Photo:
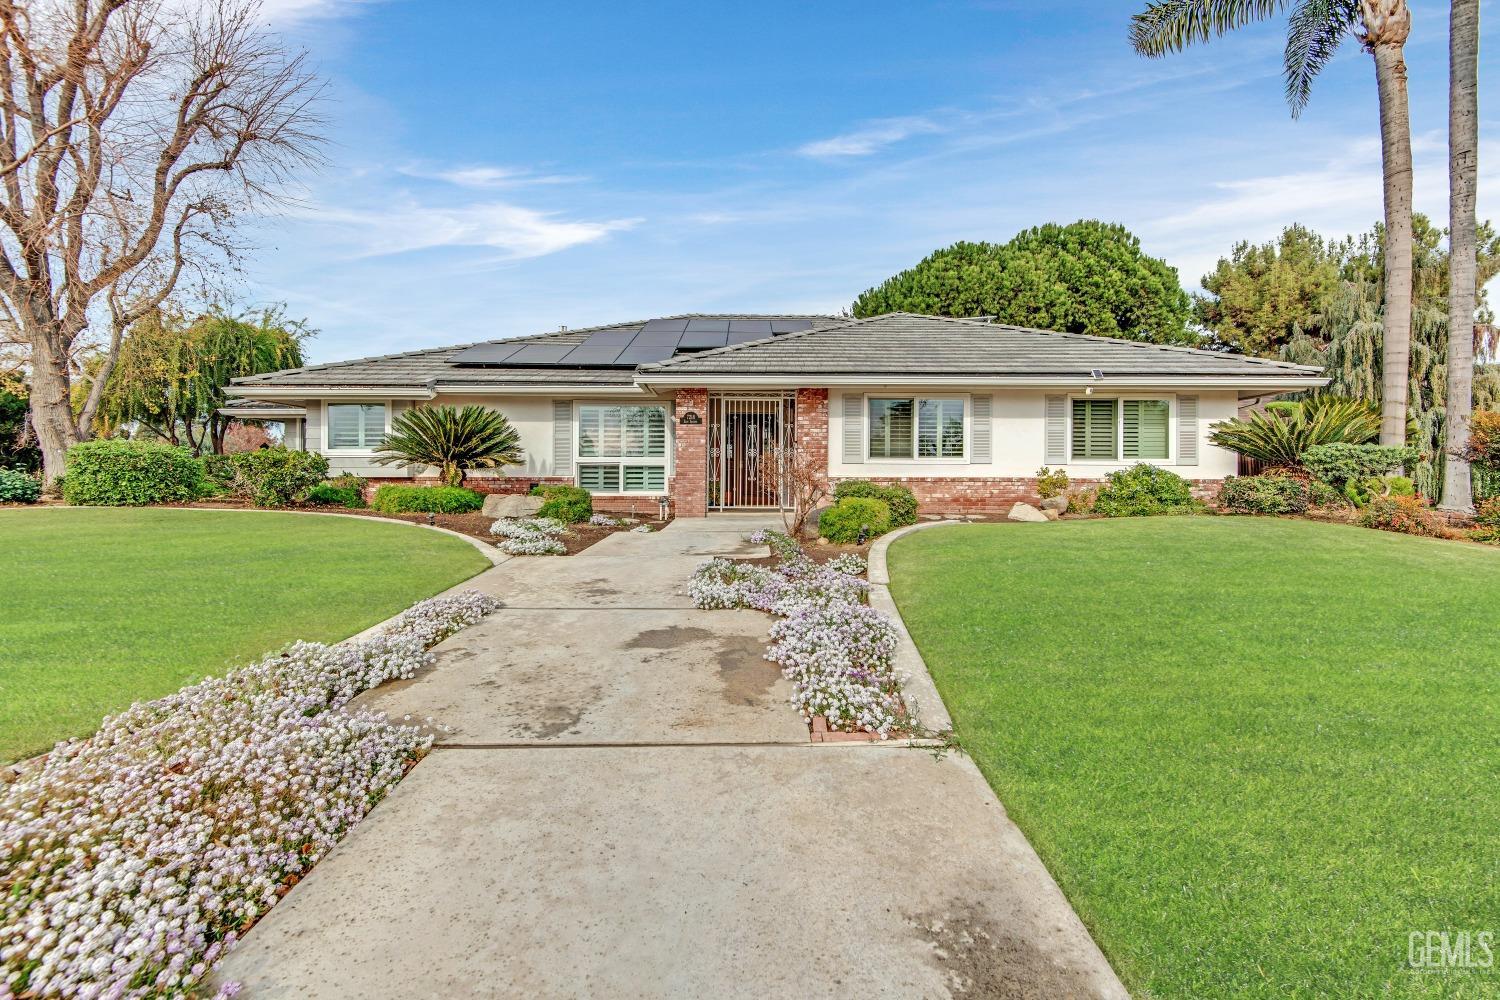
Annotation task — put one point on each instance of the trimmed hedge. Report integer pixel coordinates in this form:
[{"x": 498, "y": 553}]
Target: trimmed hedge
[
  {"x": 18, "y": 487},
  {"x": 1143, "y": 490},
  {"x": 329, "y": 495},
  {"x": 568, "y": 504},
  {"x": 118, "y": 473},
  {"x": 396, "y": 499},
  {"x": 1264, "y": 495},
  {"x": 843, "y": 521},
  {"x": 276, "y": 477},
  {"x": 1342, "y": 463},
  {"x": 901, "y": 501}
]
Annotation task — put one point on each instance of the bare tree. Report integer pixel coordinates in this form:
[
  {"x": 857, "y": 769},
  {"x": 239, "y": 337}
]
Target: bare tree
[
  {"x": 799, "y": 479},
  {"x": 1463, "y": 177},
  {"x": 132, "y": 134}
]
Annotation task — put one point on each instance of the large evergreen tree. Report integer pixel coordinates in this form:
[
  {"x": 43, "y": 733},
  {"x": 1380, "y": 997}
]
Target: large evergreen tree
[{"x": 1086, "y": 277}]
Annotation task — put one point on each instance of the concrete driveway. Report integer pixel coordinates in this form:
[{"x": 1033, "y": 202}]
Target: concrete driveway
[{"x": 623, "y": 804}]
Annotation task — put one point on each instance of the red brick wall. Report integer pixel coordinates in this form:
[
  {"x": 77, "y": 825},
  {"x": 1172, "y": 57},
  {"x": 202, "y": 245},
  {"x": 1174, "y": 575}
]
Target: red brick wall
[
  {"x": 990, "y": 496},
  {"x": 689, "y": 486},
  {"x": 810, "y": 431}
]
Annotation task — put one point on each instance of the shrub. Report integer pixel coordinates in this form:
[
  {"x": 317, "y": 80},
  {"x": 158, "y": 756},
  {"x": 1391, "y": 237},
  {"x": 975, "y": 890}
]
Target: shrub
[
  {"x": 901, "y": 501},
  {"x": 136, "y": 857},
  {"x": 1082, "y": 501},
  {"x": 218, "y": 475},
  {"x": 18, "y": 487},
  {"x": 845, "y": 520},
  {"x": 1050, "y": 483},
  {"x": 276, "y": 477},
  {"x": 329, "y": 495},
  {"x": 394, "y": 498},
  {"x": 1143, "y": 490},
  {"x": 1320, "y": 494},
  {"x": 1264, "y": 495},
  {"x": 1488, "y": 514},
  {"x": 1341, "y": 462},
  {"x": 1484, "y": 439},
  {"x": 118, "y": 473},
  {"x": 1280, "y": 435},
  {"x": 451, "y": 439},
  {"x": 1408, "y": 515},
  {"x": 568, "y": 504}
]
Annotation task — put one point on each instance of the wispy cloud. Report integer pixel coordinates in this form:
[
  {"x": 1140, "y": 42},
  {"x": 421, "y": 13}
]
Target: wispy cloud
[
  {"x": 287, "y": 12},
  {"x": 484, "y": 176},
  {"x": 514, "y": 230},
  {"x": 870, "y": 138}
]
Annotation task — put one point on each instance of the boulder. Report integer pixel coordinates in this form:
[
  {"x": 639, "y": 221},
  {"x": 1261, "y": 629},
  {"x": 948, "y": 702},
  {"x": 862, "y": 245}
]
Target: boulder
[
  {"x": 1059, "y": 504},
  {"x": 1026, "y": 512},
  {"x": 1051, "y": 514},
  {"x": 511, "y": 505}
]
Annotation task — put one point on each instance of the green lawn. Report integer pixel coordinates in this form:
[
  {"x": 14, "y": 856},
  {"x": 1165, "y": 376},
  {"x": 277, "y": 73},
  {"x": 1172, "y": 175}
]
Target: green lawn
[
  {"x": 104, "y": 607},
  {"x": 1256, "y": 753}
]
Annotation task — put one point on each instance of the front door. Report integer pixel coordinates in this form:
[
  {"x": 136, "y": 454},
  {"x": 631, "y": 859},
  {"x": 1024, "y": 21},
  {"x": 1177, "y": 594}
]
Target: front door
[{"x": 748, "y": 439}]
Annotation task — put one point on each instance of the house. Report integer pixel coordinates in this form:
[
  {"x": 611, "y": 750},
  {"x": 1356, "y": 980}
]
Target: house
[{"x": 964, "y": 412}]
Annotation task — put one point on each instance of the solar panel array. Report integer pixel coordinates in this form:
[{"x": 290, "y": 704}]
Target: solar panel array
[{"x": 626, "y": 347}]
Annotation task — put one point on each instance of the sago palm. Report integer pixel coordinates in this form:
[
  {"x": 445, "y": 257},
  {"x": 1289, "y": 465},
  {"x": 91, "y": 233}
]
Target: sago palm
[
  {"x": 452, "y": 440},
  {"x": 1279, "y": 436},
  {"x": 1314, "y": 31}
]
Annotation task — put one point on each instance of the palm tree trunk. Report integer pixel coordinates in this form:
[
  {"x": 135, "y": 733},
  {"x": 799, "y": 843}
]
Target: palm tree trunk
[
  {"x": 1387, "y": 24},
  {"x": 1463, "y": 176}
]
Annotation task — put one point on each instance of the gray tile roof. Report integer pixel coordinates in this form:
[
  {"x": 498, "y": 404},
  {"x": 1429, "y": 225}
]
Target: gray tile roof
[
  {"x": 903, "y": 344},
  {"x": 434, "y": 366}
]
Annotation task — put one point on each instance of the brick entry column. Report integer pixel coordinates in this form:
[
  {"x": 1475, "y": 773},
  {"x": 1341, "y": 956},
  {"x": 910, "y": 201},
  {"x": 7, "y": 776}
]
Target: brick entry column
[
  {"x": 690, "y": 455},
  {"x": 810, "y": 432}
]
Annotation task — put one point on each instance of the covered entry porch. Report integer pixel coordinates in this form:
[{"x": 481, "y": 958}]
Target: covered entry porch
[{"x": 729, "y": 443}]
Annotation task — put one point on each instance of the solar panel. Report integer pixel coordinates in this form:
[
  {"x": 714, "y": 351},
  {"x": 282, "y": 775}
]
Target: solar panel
[
  {"x": 618, "y": 338},
  {"x": 588, "y": 357},
  {"x": 696, "y": 341},
  {"x": 645, "y": 354},
  {"x": 741, "y": 337},
  {"x": 666, "y": 326},
  {"x": 540, "y": 354},
  {"x": 761, "y": 327},
  {"x": 708, "y": 326},
  {"x": 485, "y": 354},
  {"x": 779, "y": 326},
  {"x": 657, "y": 337}
]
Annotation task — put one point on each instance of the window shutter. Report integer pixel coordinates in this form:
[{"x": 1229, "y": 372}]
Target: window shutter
[
  {"x": 1187, "y": 430},
  {"x": 1057, "y": 430},
  {"x": 374, "y": 415},
  {"x": 562, "y": 437},
  {"x": 854, "y": 428},
  {"x": 979, "y": 434}
]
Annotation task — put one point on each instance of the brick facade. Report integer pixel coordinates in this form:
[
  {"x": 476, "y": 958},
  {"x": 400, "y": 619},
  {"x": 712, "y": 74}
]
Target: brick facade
[
  {"x": 689, "y": 486},
  {"x": 994, "y": 496},
  {"x": 810, "y": 427}
]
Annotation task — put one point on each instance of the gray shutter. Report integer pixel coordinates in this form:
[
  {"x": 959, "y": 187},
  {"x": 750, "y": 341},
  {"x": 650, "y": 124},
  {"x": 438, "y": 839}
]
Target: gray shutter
[
  {"x": 854, "y": 427},
  {"x": 1187, "y": 430},
  {"x": 562, "y": 437},
  {"x": 979, "y": 435},
  {"x": 1057, "y": 431}
]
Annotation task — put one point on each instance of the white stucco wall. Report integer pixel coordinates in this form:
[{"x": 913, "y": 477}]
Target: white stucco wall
[{"x": 1018, "y": 428}]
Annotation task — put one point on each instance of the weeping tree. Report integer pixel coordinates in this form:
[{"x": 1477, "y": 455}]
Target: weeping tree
[
  {"x": 172, "y": 373},
  {"x": 452, "y": 440}
]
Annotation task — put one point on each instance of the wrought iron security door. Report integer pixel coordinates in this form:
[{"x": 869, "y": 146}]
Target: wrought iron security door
[{"x": 749, "y": 440}]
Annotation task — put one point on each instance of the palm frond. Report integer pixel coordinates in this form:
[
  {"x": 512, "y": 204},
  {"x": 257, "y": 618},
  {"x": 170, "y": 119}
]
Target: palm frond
[
  {"x": 1279, "y": 436},
  {"x": 1313, "y": 35},
  {"x": 1172, "y": 25},
  {"x": 452, "y": 440}
]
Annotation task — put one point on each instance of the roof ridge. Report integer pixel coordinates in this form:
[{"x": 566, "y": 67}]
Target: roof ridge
[{"x": 1150, "y": 344}]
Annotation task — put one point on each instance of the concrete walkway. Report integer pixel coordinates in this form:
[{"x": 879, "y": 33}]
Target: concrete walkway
[{"x": 623, "y": 804}]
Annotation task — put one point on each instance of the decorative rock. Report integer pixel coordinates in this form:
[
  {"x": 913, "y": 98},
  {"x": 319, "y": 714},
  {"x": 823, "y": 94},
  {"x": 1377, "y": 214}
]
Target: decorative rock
[
  {"x": 822, "y": 541},
  {"x": 1059, "y": 504},
  {"x": 1026, "y": 512},
  {"x": 1051, "y": 514},
  {"x": 511, "y": 505}
]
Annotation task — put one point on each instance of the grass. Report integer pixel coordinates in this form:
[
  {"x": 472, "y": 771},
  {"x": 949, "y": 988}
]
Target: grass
[
  {"x": 105, "y": 607},
  {"x": 1256, "y": 754}
]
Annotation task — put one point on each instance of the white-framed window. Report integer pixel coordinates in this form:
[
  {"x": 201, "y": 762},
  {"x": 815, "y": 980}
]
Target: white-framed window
[
  {"x": 354, "y": 426},
  {"x": 917, "y": 428},
  {"x": 1114, "y": 429},
  {"x": 622, "y": 447}
]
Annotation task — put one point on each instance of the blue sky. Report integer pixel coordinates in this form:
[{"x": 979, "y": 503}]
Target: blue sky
[{"x": 498, "y": 169}]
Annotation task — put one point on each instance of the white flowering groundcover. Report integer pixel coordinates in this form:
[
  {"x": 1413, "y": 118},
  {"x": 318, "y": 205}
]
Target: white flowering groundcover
[
  {"x": 835, "y": 649},
  {"x": 132, "y": 860},
  {"x": 530, "y": 536}
]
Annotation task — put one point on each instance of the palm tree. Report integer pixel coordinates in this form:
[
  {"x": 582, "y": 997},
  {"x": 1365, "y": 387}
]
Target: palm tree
[
  {"x": 1314, "y": 31},
  {"x": 454, "y": 440},
  {"x": 1463, "y": 175}
]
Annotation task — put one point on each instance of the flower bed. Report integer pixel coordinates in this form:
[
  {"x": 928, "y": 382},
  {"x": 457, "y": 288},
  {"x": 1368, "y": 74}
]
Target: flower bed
[
  {"x": 835, "y": 649},
  {"x": 134, "y": 859},
  {"x": 531, "y": 536}
]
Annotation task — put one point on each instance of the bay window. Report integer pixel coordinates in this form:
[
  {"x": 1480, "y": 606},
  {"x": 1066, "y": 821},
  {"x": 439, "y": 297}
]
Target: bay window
[{"x": 622, "y": 448}]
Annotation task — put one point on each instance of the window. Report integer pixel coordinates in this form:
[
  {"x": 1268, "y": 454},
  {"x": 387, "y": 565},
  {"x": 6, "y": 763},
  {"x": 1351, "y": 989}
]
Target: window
[
  {"x": 917, "y": 428},
  {"x": 622, "y": 448},
  {"x": 355, "y": 426},
  {"x": 1106, "y": 430}
]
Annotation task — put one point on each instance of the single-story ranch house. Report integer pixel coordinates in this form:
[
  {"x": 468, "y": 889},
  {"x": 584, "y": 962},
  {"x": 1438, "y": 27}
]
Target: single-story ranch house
[{"x": 680, "y": 410}]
